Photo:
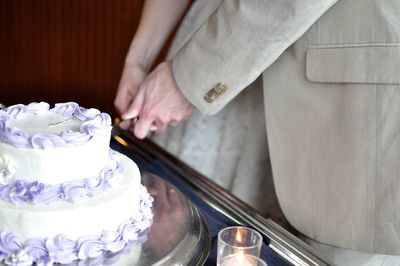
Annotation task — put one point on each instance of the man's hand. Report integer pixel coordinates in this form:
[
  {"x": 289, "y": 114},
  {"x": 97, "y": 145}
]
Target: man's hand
[
  {"x": 158, "y": 103},
  {"x": 128, "y": 87}
]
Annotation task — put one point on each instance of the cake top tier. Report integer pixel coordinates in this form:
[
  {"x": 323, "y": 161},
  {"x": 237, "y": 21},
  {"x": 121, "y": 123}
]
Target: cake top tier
[{"x": 37, "y": 126}]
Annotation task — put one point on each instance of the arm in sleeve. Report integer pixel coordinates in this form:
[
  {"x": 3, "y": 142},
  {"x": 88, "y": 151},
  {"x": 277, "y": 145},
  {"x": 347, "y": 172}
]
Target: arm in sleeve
[{"x": 237, "y": 42}]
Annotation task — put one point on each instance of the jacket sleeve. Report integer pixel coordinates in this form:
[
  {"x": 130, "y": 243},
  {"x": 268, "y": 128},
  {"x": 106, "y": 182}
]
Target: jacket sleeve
[{"x": 236, "y": 43}]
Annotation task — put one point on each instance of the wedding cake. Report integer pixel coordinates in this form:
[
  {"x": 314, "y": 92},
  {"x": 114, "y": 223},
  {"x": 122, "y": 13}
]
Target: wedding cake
[{"x": 64, "y": 195}]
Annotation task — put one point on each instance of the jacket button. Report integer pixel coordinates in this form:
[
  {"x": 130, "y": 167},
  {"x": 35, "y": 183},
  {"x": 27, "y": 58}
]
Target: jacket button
[{"x": 215, "y": 92}]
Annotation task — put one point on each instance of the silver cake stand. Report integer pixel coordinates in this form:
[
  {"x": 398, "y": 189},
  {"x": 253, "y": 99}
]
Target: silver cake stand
[{"x": 178, "y": 236}]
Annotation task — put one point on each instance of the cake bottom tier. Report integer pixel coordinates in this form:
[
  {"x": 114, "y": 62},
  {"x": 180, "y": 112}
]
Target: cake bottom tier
[{"x": 65, "y": 232}]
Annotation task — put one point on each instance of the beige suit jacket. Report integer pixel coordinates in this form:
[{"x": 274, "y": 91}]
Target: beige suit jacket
[{"x": 331, "y": 74}]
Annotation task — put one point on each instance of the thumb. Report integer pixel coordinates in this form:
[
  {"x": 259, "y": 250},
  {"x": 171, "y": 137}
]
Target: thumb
[
  {"x": 135, "y": 107},
  {"x": 122, "y": 102}
]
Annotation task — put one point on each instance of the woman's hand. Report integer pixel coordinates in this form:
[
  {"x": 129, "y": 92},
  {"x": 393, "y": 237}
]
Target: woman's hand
[
  {"x": 128, "y": 87},
  {"x": 158, "y": 103}
]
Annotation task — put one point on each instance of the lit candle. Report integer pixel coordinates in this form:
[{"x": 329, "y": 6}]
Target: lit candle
[
  {"x": 239, "y": 245},
  {"x": 238, "y": 260}
]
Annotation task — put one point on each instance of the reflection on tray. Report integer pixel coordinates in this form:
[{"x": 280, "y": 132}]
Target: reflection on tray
[
  {"x": 178, "y": 235},
  {"x": 171, "y": 217}
]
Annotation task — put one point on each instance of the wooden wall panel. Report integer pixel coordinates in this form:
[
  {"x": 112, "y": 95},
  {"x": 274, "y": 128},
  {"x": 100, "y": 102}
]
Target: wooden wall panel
[{"x": 64, "y": 50}]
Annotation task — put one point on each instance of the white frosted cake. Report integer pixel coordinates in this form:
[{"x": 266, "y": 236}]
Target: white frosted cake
[{"x": 64, "y": 195}]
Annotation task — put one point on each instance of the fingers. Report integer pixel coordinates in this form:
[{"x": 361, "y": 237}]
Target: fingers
[
  {"x": 128, "y": 88},
  {"x": 146, "y": 122},
  {"x": 122, "y": 101},
  {"x": 160, "y": 127},
  {"x": 134, "y": 109},
  {"x": 131, "y": 123},
  {"x": 131, "y": 112},
  {"x": 125, "y": 124},
  {"x": 142, "y": 127},
  {"x": 126, "y": 91}
]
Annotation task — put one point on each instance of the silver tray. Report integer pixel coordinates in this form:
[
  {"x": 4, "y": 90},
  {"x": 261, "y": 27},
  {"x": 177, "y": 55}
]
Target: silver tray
[{"x": 178, "y": 236}]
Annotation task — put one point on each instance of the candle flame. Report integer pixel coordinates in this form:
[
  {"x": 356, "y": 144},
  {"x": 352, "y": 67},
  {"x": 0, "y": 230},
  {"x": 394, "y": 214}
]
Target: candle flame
[{"x": 238, "y": 236}]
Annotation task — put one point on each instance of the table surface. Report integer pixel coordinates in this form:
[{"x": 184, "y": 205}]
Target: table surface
[{"x": 290, "y": 248}]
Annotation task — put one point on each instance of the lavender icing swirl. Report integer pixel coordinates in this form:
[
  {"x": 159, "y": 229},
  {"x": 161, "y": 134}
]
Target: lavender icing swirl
[
  {"x": 84, "y": 114},
  {"x": 15, "y": 136},
  {"x": 38, "y": 107},
  {"x": 59, "y": 249},
  {"x": 93, "y": 122},
  {"x": 36, "y": 249},
  {"x": 65, "y": 109},
  {"x": 21, "y": 191},
  {"x": 89, "y": 248},
  {"x": 15, "y": 110},
  {"x": 4, "y": 117},
  {"x": 9, "y": 243},
  {"x": 46, "y": 140}
]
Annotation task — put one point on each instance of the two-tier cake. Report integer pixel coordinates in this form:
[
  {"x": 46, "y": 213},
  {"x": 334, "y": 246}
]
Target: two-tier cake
[{"x": 64, "y": 195}]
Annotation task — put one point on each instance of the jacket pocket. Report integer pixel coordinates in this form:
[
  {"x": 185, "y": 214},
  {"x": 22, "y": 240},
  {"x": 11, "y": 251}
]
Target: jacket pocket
[{"x": 369, "y": 63}]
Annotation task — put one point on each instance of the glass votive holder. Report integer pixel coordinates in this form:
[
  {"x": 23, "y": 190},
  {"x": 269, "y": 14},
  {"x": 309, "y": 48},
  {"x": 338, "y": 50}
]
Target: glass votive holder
[
  {"x": 242, "y": 260},
  {"x": 238, "y": 240}
]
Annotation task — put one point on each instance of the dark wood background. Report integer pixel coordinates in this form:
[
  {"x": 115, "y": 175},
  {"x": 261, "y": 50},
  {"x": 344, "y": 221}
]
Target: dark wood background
[{"x": 64, "y": 50}]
